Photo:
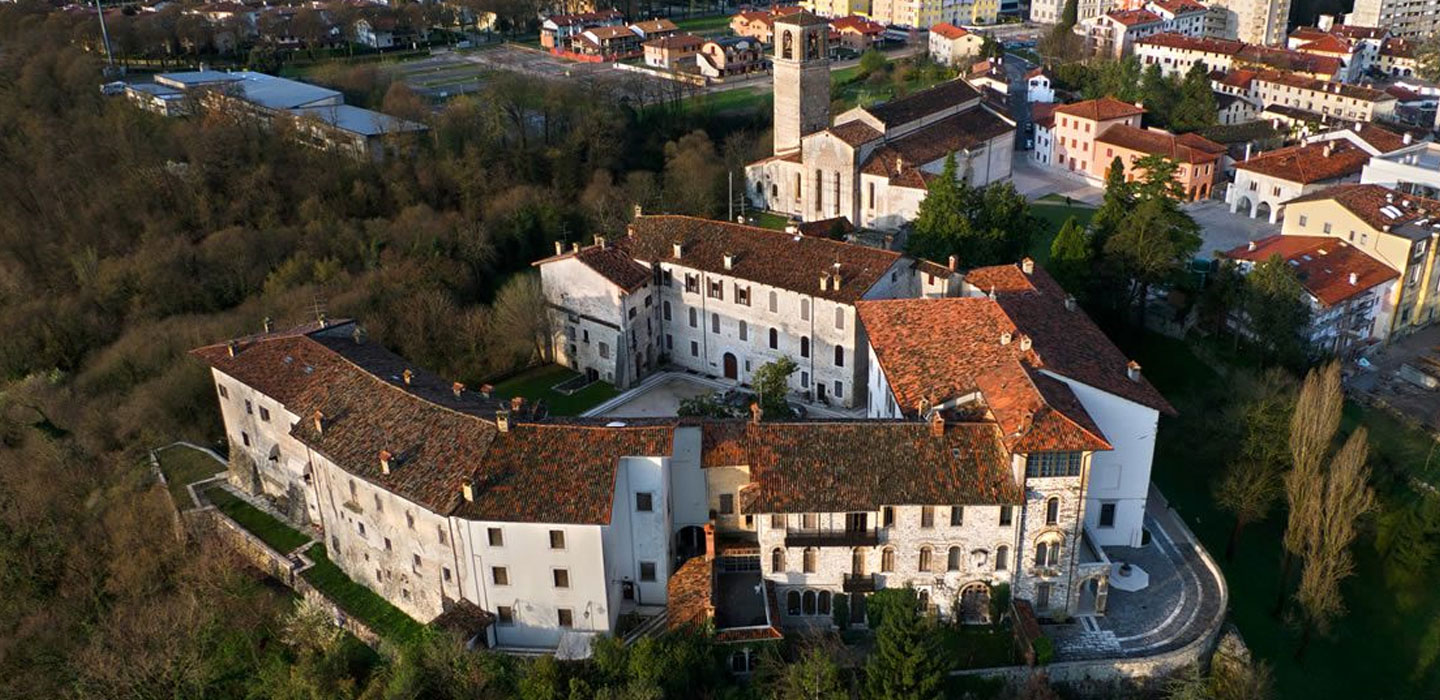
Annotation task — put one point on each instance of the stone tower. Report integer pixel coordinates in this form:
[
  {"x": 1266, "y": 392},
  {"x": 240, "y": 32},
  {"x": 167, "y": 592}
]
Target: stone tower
[{"x": 802, "y": 78}]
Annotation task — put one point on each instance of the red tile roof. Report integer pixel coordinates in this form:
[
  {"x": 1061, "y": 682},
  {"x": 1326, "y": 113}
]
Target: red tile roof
[
  {"x": 1103, "y": 109},
  {"x": 922, "y": 104},
  {"x": 1132, "y": 18},
  {"x": 762, "y": 255},
  {"x": 932, "y": 142},
  {"x": 690, "y": 595},
  {"x": 1326, "y": 43},
  {"x": 1398, "y": 48},
  {"x": 609, "y": 262},
  {"x": 857, "y": 24},
  {"x": 1226, "y": 47},
  {"x": 1239, "y": 77},
  {"x": 1286, "y": 60},
  {"x": 1378, "y": 206},
  {"x": 856, "y": 132},
  {"x": 1186, "y": 148},
  {"x": 1302, "y": 82},
  {"x": 1381, "y": 139},
  {"x": 1178, "y": 7},
  {"x": 1310, "y": 163},
  {"x": 948, "y": 30},
  {"x": 1350, "y": 31},
  {"x": 1322, "y": 263}
]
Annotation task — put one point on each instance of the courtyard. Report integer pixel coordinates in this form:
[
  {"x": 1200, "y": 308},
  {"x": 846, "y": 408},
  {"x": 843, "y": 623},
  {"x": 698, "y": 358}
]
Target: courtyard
[{"x": 1222, "y": 230}]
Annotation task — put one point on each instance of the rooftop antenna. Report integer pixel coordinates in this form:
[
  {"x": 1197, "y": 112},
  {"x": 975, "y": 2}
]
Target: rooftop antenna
[{"x": 318, "y": 309}]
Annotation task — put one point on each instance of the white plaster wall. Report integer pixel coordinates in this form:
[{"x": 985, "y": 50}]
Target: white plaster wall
[
  {"x": 585, "y": 301},
  {"x": 277, "y": 477},
  {"x": 635, "y": 536}
]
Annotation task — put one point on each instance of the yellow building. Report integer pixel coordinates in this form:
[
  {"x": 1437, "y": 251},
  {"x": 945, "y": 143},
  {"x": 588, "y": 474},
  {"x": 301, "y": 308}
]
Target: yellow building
[
  {"x": 837, "y": 8},
  {"x": 1398, "y": 229},
  {"x": 923, "y": 14}
]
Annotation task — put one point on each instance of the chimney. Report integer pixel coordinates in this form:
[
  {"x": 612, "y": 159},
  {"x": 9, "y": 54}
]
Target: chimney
[
  {"x": 1354, "y": 279},
  {"x": 486, "y": 389},
  {"x": 1407, "y": 138},
  {"x": 517, "y": 403},
  {"x": 1329, "y": 148},
  {"x": 937, "y": 424},
  {"x": 639, "y": 211},
  {"x": 358, "y": 335},
  {"x": 1025, "y": 343},
  {"x": 792, "y": 229},
  {"x": 1250, "y": 246},
  {"x": 953, "y": 262},
  {"x": 924, "y": 407},
  {"x": 756, "y": 412},
  {"x": 385, "y": 458},
  {"x": 467, "y": 489},
  {"x": 1027, "y": 266},
  {"x": 559, "y": 248},
  {"x": 1132, "y": 370},
  {"x": 407, "y": 375},
  {"x": 1005, "y": 338},
  {"x": 599, "y": 240},
  {"x": 835, "y": 282},
  {"x": 729, "y": 261},
  {"x": 457, "y": 388},
  {"x": 824, "y": 282},
  {"x": 319, "y": 418},
  {"x": 324, "y": 322},
  {"x": 1069, "y": 302},
  {"x": 709, "y": 541},
  {"x": 889, "y": 241},
  {"x": 269, "y": 323},
  {"x": 232, "y": 348},
  {"x": 899, "y": 164},
  {"x": 677, "y": 249},
  {"x": 502, "y": 420},
  {"x": 575, "y": 247}
]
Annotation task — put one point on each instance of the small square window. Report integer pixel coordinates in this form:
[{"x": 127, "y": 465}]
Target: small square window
[
  {"x": 445, "y": 573},
  {"x": 1107, "y": 515},
  {"x": 727, "y": 504},
  {"x": 557, "y": 539},
  {"x": 497, "y": 538},
  {"x": 505, "y": 615},
  {"x": 565, "y": 617},
  {"x": 647, "y": 571},
  {"x": 500, "y": 575},
  {"x": 562, "y": 578},
  {"x": 644, "y": 502},
  {"x": 1006, "y": 516}
]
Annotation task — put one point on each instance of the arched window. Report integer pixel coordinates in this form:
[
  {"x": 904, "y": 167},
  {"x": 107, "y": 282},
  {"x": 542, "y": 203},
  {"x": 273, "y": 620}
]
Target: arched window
[
  {"x": 787, "y": 45},
  {"x": 952, "y": 559},
  {"x": 1041, "y": 549},
  {"x": 804, "y": 346},
  {"x": 1052, "y": 511},
  {"x": 812, "y": 45},
  {"x": 792, "y": 603},
  {"x": 809, "y": 602},
  {"x": 774, "y": 302},
  {"x": 823, "y": 607},
  {"x": 804, "y": 309},
  {"x": 887, "y": 559},
  {"x": 774, "y": 339},
  {"x": 839, "y": 356},
  {"x": 777, "y": 560},
  {"x": 840, "y": 317},
  {"x": 1002, "y": 558},
  {"x": 1047, "y": 553},
  {"x": 810, "y": 554},
  {"x": 924, "y": 559}
]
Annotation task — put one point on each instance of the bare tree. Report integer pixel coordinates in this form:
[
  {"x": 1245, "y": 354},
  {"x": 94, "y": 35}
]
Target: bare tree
[
  {"x": 1312, "y": 427},
  {"x": 1252, "y": 482},
  {"x": 520, "y": 317},
  {"x": 1346, "y": 497}
]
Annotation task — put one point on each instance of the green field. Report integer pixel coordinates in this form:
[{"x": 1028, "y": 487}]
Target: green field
[
  {"x": 1053, "y": 214},
  {"x": 364, "y": 604},
  {"x": 183, "y": 465},
  {"x": 281, "y": 537},
  {"x": 705, "y": 25},
  {"x": 1387, "y": 645},
  {"x": 534, "y": 384}
]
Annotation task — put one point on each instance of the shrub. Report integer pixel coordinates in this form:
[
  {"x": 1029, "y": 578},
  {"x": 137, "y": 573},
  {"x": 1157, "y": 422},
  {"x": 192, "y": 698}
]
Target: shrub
[{"x": 1044, "y": 650}]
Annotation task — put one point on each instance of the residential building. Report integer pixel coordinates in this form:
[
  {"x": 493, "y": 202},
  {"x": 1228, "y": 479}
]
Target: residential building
[
  {"x": 1114, "y": 33},
  {"x": 1398, "y": 229},
  {"x": 923, "y": 14},
  {"x": 836, "y": 8},
  {"x": 1075, "y": 127},
  {"x": 359, "y": 133},
  {"x": 1333, "y": 99},
  {"x": 1175, "y": 53},
  {"x": 1409, "y": 19},
  {"x": 1259, "y": 22},
  {"x": 953, "y": 46},
  {"x": 872, "y": 165},
  {"x": 760, "y": 24},
  {"x": 1038, "y": 86},
  {"x": 1397, "y": 58},
  {"x": 989, "y": 76},
  {"x": 1264, "y": 182},
  {"x": 1353, "y": 55},
  {"x": 1232, "y": 109},
  {"x": 1042, "y": 115},
  {"x": 1086, "y": 137},
  {"x": 1350, "y": 295},
  {"x": 728, "y": 56},
  {"x": 557, "y": 32},
  {"x": 607, "y": 43},
  {"x": 1413, "y": 169},
  {"x": 674, "y": 52},
  {"x": 857, "y": 33},
  {"x": 654, "y": 29},
  {"x": 729, "y": 298}
]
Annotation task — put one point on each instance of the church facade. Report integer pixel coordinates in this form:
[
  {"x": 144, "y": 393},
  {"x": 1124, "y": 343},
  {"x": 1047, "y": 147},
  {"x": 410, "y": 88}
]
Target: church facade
[{"x": 874, "y": 164}]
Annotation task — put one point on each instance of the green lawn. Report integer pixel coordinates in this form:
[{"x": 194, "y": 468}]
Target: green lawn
[
  {"x": 1388, "y": 643},
  {"x": 705, "y": 25},
  {"x": 979, "y": 646},
  {"x": 535, "y": 384},
  {"x": 358, "y": 601},
  {"x": 281, "y": 537},
  {"x": 740, "y": 99},
  {"x": 766, "y": 219},
  {"x": 1054, "y": 212},
  {"x": 183, "y": 465}
]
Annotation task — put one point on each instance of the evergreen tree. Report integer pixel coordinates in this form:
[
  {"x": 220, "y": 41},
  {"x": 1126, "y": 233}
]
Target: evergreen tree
[
  {"x": 941, "y": 215},
  {"x": 1116, "y": 205},
  {"x": 1195, "y": 106},
  {"x": 1070, "y": 15},
  {"x": 1154, "y": 244},
  {"x": 1158, "y": 95},
  {"x": 1277, "y": 316},
  {"x": 983, "y": 226},
  {"x": 1070, "y": 258},
  {"x": 908, "y": 662}
]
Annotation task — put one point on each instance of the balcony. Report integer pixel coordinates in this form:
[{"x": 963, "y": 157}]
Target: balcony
[
  {"x": 832, "y": 538},
  {"x": 859, "y": 583}
]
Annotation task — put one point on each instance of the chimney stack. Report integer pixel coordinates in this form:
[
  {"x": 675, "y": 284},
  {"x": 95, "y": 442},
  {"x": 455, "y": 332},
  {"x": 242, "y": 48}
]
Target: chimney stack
[
  {"x": 756, "y": 412},
  {"x": 502, "y": 420},
  {"x": 457, "y": 388},
  {"x": 232, "y": 348},
  {"x": 358, "y": 335},
  {"x": 1354, "y": 279},
  {"x": 324, "y": 322},
  {"x": 729, "y": 261},
  {"x": 1407, "y": 138},
  {"x": 639, "y": 211},
  {"x": 924, "y": 407},
  {"x": 575, "y": 247},
  {"x": 319, "y": 418},
  {"x": 953, "y": 263},
  {"x": 599, "y": 240},
  {"x": 485, "y": 390},
  {"x": 1132, "y": 370},
  {"x": 1024, "y": 343},
  {"x": 1069, "y": 302},
  {"x": 1005, "y": 338},
  {"x": 269, "y": 324},
  {"x": 1250, "y": 246},
  {"x": 407, "y": 375},
  {"x": 385, "y": 458},
  {"x": 559, "y": 248},
  {"x": 677, "y": 250},
  {"x": 709, "y": 541},
  {"x": 937, "y": 424},
  {"x": 824, "y": 282},
  {"x": 467, "y": 489},
  {"x": 517, "y": 403},
  {"x": 889, "y": 241},
  {"x": 1027, "y": 266}
]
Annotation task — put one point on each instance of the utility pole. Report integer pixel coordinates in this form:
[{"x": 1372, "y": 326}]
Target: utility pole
[
  {"x": 105, "y": 37},
  {"x": 730, "y": 196}
]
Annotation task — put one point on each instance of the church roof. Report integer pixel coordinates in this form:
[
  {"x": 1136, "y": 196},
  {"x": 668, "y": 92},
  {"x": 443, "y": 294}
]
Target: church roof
[
  {"x": 922, "y": 104},
  {"x": 932, "y": 142}
]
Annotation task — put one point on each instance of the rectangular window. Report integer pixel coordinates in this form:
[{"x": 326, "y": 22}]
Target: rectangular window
[
  {"x": 692, "y": 283},
  {"x": 225, "y": 393},
  {"x": 647, "y": 571},
  {"x": 387, "y": 544},
  {"x": 957, "y": 516},
  {"x": 245, "y": 438},
  {"x": 1326, "y": 227},
  {"x": 557, "y": 539},
  {"x": 500, "y": 575},
  {"x": 839, "y": 390},
  {"x": 565, "y": 617},
  {"x": 505, "y": 615},
  {"x": 927, "y": 516},
  {"x": 840, "y": 317},
  {"x": 561, "y": 577},
  {"x": 605, "y": 351},
  {"x": 742, "y": 295},
  {"x": 727, "y": 504},
  {"x": 1045, "y": 464},
  {"x": 644, "y": 502},
  {"x": 445, "y": 573},
  {"x": 379, "y": 506},
  {"x": 1303, "y": 219},
  {"x": 694, "y": 318},
  {"x": 714, "y": 323},
  {"x": 694, "y": 349},
  {"x": 415, "y": 562},
  {"x": 1006, "y": 515},
  {"x": 744, "y": 331},
  {"x": 777, "y": 522},
  {"x": 410, "y": 520},
  {"x": 497, "y": 538},
  {"x": 249, "y": 408},
  {"x": 717, "y": 290},
  {"x": 1107, "y": 515},
  {"x": 265, "y": 414}
]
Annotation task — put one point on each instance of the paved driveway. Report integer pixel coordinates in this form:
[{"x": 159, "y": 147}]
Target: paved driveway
[
  {"x": 1034, "y": 180},
  {"x": 1223, "y": 230}
]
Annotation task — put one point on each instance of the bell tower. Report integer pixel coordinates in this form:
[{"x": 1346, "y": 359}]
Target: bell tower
[{"x": 802, "y": 78}]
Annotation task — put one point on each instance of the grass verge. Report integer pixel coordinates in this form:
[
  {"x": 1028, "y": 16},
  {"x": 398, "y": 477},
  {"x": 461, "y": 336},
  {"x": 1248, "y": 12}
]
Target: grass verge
[
  {"x": 534, "y": 384},
  {"x": 281, "y": 537},
  {"x": 358, "y": 601},
  {"x": 1052, "y": 215},
  {"x": 183, "y": 465}
]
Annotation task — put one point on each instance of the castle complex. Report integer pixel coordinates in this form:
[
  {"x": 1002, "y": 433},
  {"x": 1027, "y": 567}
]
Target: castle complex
[{"x": 992, "y": 435}]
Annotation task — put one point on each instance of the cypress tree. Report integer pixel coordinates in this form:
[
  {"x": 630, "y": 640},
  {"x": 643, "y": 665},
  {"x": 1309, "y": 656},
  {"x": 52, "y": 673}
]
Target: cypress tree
[
  {"x": 1070, "y": 256},
  {"x": 908, "y": 663}
]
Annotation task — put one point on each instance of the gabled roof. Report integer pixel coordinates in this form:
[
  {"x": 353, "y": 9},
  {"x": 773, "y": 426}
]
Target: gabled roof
[
  {"x": 1179, "y": 7},
  {"x": 955, "y": 133},
  {"x": 1302, "y": 82},
  {"x": 1382, "y": 208},
  {"x": 1131, "y": 18},
  {"x": 610, "y": 262},
  {"x": 1226, "y": 47},
  {"x": 1323, "y": 265},
  {"x": 1240, "y": 78},
  {"x": 949, "y": 31},
  {"x": 857, "y": 24},
  {"x": 1309, "y": 163},
  {"x": 856, "y": 132},
  {"x": 1185, "y": 148},
  {"x": 762, "y": 255},
  {"x": 651, "y": 26},
  {"x": 923, "y": 103},
  {"x": 676, "y": 42},
  {"x": 1326, "y": 43},
  {"x": 1103, "y": 109}
]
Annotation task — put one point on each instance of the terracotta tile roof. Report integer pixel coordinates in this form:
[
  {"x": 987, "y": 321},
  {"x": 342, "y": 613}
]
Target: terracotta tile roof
[
  {"x": 1381, "y": 139},
  {"x": 1240, "y": 78},
  {"x": 586, "y": 17},
  {"x": 856, "y": 132},
  {"x": 1036, "y": 72},
  {"x": 1380, "y": 207},
  {"x": 1309, "y": 163},
  {"x": 1131, "y": 18},
  {"x": 1326, "y": 43},
  {"x": 676, "y": 42},
  {"x": 1043, "y": 114},
  {"x": 1179, "y": 7},
  {"x": 836, "y": 466},
  {"x": 1350, "y": 31},
  {"x": 1397, "y": 47},
  {"x": 603, "y": 33},
  {"x": 857, "y": 24},
  {"x": 798, "y": 16},
  {"x": 1226, "y": 47},
  {"x": 690, "y": 594},
  {"x": 1302, "y": 82},
  {"x": 1287, "y": 60},
  {"x": 656, "y": 25},
  {"x": 1322, "y": 263},
  {"x": 823, "y": 227},
  {"x": 948, "y": 30},
  {"x": 762, "y": 255},
  {"x": 1403, "y": 94},
  {"x": 1103, "y": 109},
  {"x": 932, "y": 142},
  {"x": 1186, "y": 148},
  {"x": 609, "y": 262},
  {"x": 923, "y": 103}
]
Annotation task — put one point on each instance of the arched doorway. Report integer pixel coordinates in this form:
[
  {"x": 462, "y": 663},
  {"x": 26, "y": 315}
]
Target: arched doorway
[
  {"x": 975, "y": 604},
  {"x": 1243, "y": 206},
  {"x": 1262, "y": 211},
  {"x": 1093, "y": 593},
  {"x": 732, "y": 368},
  {"x": 857, "y": 561}
]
